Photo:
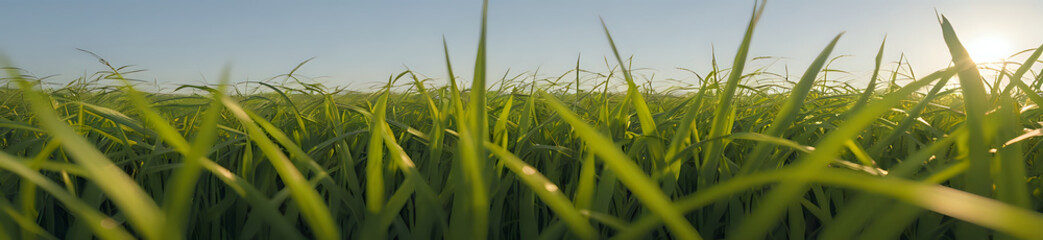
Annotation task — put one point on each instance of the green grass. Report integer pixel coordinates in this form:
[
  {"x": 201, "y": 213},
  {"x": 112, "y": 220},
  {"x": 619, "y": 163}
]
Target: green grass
[{"x": 747, "y": 154}]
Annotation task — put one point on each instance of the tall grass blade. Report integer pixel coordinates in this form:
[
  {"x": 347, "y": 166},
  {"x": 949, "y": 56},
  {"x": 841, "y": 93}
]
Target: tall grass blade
[
  {"x": 549, "y": 192},
  {"x": 643, "y": 187},
  {"x": 103, "y": 226},
  {"x": 765, "y": 216},
  {"x": 977, "y": 179},
  {"x": 141, "y": 210},
  {"x": 788, "y": 113},
  {"x": 315, "y": 211},
  {"x": 724, "y": 111},
  {"x": 474, "y": 154}
]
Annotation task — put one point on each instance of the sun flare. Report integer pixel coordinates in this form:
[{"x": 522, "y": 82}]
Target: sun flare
[{"x": 989, "y": 48}]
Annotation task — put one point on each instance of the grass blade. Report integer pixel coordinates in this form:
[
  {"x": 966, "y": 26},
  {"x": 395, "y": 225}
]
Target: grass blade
[
  {"x": 316, "y": 213},
  {"x": 547, "y": 191},
  {"x": 788, "y": 113},
  {"x": 724, "y": 112},
  {"x": 143, "y": 213},
  {"x": 977, "y": 178},
  {"x": 643, "y": 187}
]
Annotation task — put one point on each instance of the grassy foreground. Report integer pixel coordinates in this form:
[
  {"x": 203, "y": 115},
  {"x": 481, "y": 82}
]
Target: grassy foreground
[{"x": 907, "y": 157}]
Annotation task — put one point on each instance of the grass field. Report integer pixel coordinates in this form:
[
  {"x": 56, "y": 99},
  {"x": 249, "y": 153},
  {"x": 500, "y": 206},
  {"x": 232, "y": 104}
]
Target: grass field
[{"x": 745, "y": 155}]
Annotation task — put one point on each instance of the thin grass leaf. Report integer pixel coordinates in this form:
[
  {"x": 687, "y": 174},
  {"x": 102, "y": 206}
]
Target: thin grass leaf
[{"x": 643, "y": 187}]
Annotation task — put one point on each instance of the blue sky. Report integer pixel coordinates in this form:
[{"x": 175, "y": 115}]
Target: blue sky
[{"x": 358, "y": 43}]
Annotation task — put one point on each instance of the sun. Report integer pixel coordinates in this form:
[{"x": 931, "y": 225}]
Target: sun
[{"x": 989, "y": 48}]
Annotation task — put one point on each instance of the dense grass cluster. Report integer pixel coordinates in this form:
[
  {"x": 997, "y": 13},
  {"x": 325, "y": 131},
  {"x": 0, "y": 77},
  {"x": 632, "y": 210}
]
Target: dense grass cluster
[{"x": 744, "y": 155}]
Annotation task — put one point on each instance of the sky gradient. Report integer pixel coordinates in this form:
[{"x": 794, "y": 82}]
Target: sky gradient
[{"x": 360, "y": 43}]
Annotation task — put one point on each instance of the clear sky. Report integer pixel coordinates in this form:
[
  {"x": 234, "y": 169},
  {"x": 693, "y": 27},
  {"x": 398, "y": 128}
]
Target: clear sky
[{"x": 358, "y": 43}]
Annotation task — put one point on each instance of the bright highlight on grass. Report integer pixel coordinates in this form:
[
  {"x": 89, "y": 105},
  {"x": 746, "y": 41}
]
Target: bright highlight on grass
[{"x": 534, "y": 158}]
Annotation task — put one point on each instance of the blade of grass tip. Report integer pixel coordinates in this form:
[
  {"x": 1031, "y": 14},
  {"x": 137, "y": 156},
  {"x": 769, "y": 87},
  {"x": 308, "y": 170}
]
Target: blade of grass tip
[
  {"x": 180, "y": 189},
  {"x": 460, "y": 220},
  {"x": 435, "y": 158},
  {"x": 104, "y": 226},
  {"x": 431, "y": 106},
  {"x": 788, "y": 113},
  {"x": 500, "y": 132},
  {"x": 375, "y": 157},
  {"x": 1025, "y": 67},
  {"x": 311, "y": 204},
  {"x": 914, "y": 113},
  {"x": 686, "y": 130},
  {"x": 766, "y": 215},
  {"x": 477, "y": 100},
  {"x": 723, "y": 113},
  {"x": 644, "y": 115},
  {"x": 299, "y": 117},
  {"x": 180, "y": 195},
  {"x": 455, "y": 97},
  {"x": 171, "y": 136},
  {"x": 975, "y": 101},
  {"x": 577, "y": 74},
  {"x": 1032, "y": 95},
  {"x": 893, "y": 84},
  {"x": 300, "y": 156},
  {"x": 143, "y": 213},
  {"x": 864, "y": 98},
  {"x": 628, "y": 172},
  {"x": 547, "y": 191},
  {"x": 474, "y": 160},
  {"x": 648, "y": 124}
]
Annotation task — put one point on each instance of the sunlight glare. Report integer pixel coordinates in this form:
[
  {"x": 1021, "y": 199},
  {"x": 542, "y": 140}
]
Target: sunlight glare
[{"x": 990, "y": 48}]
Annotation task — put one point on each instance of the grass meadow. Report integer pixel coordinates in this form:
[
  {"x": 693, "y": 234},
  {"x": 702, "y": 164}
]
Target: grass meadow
[{"x": 745, "y": 154}]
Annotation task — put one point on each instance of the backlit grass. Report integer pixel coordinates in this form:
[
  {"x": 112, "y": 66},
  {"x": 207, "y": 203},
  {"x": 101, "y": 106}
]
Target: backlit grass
[{"x": 744, "y": 155}]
